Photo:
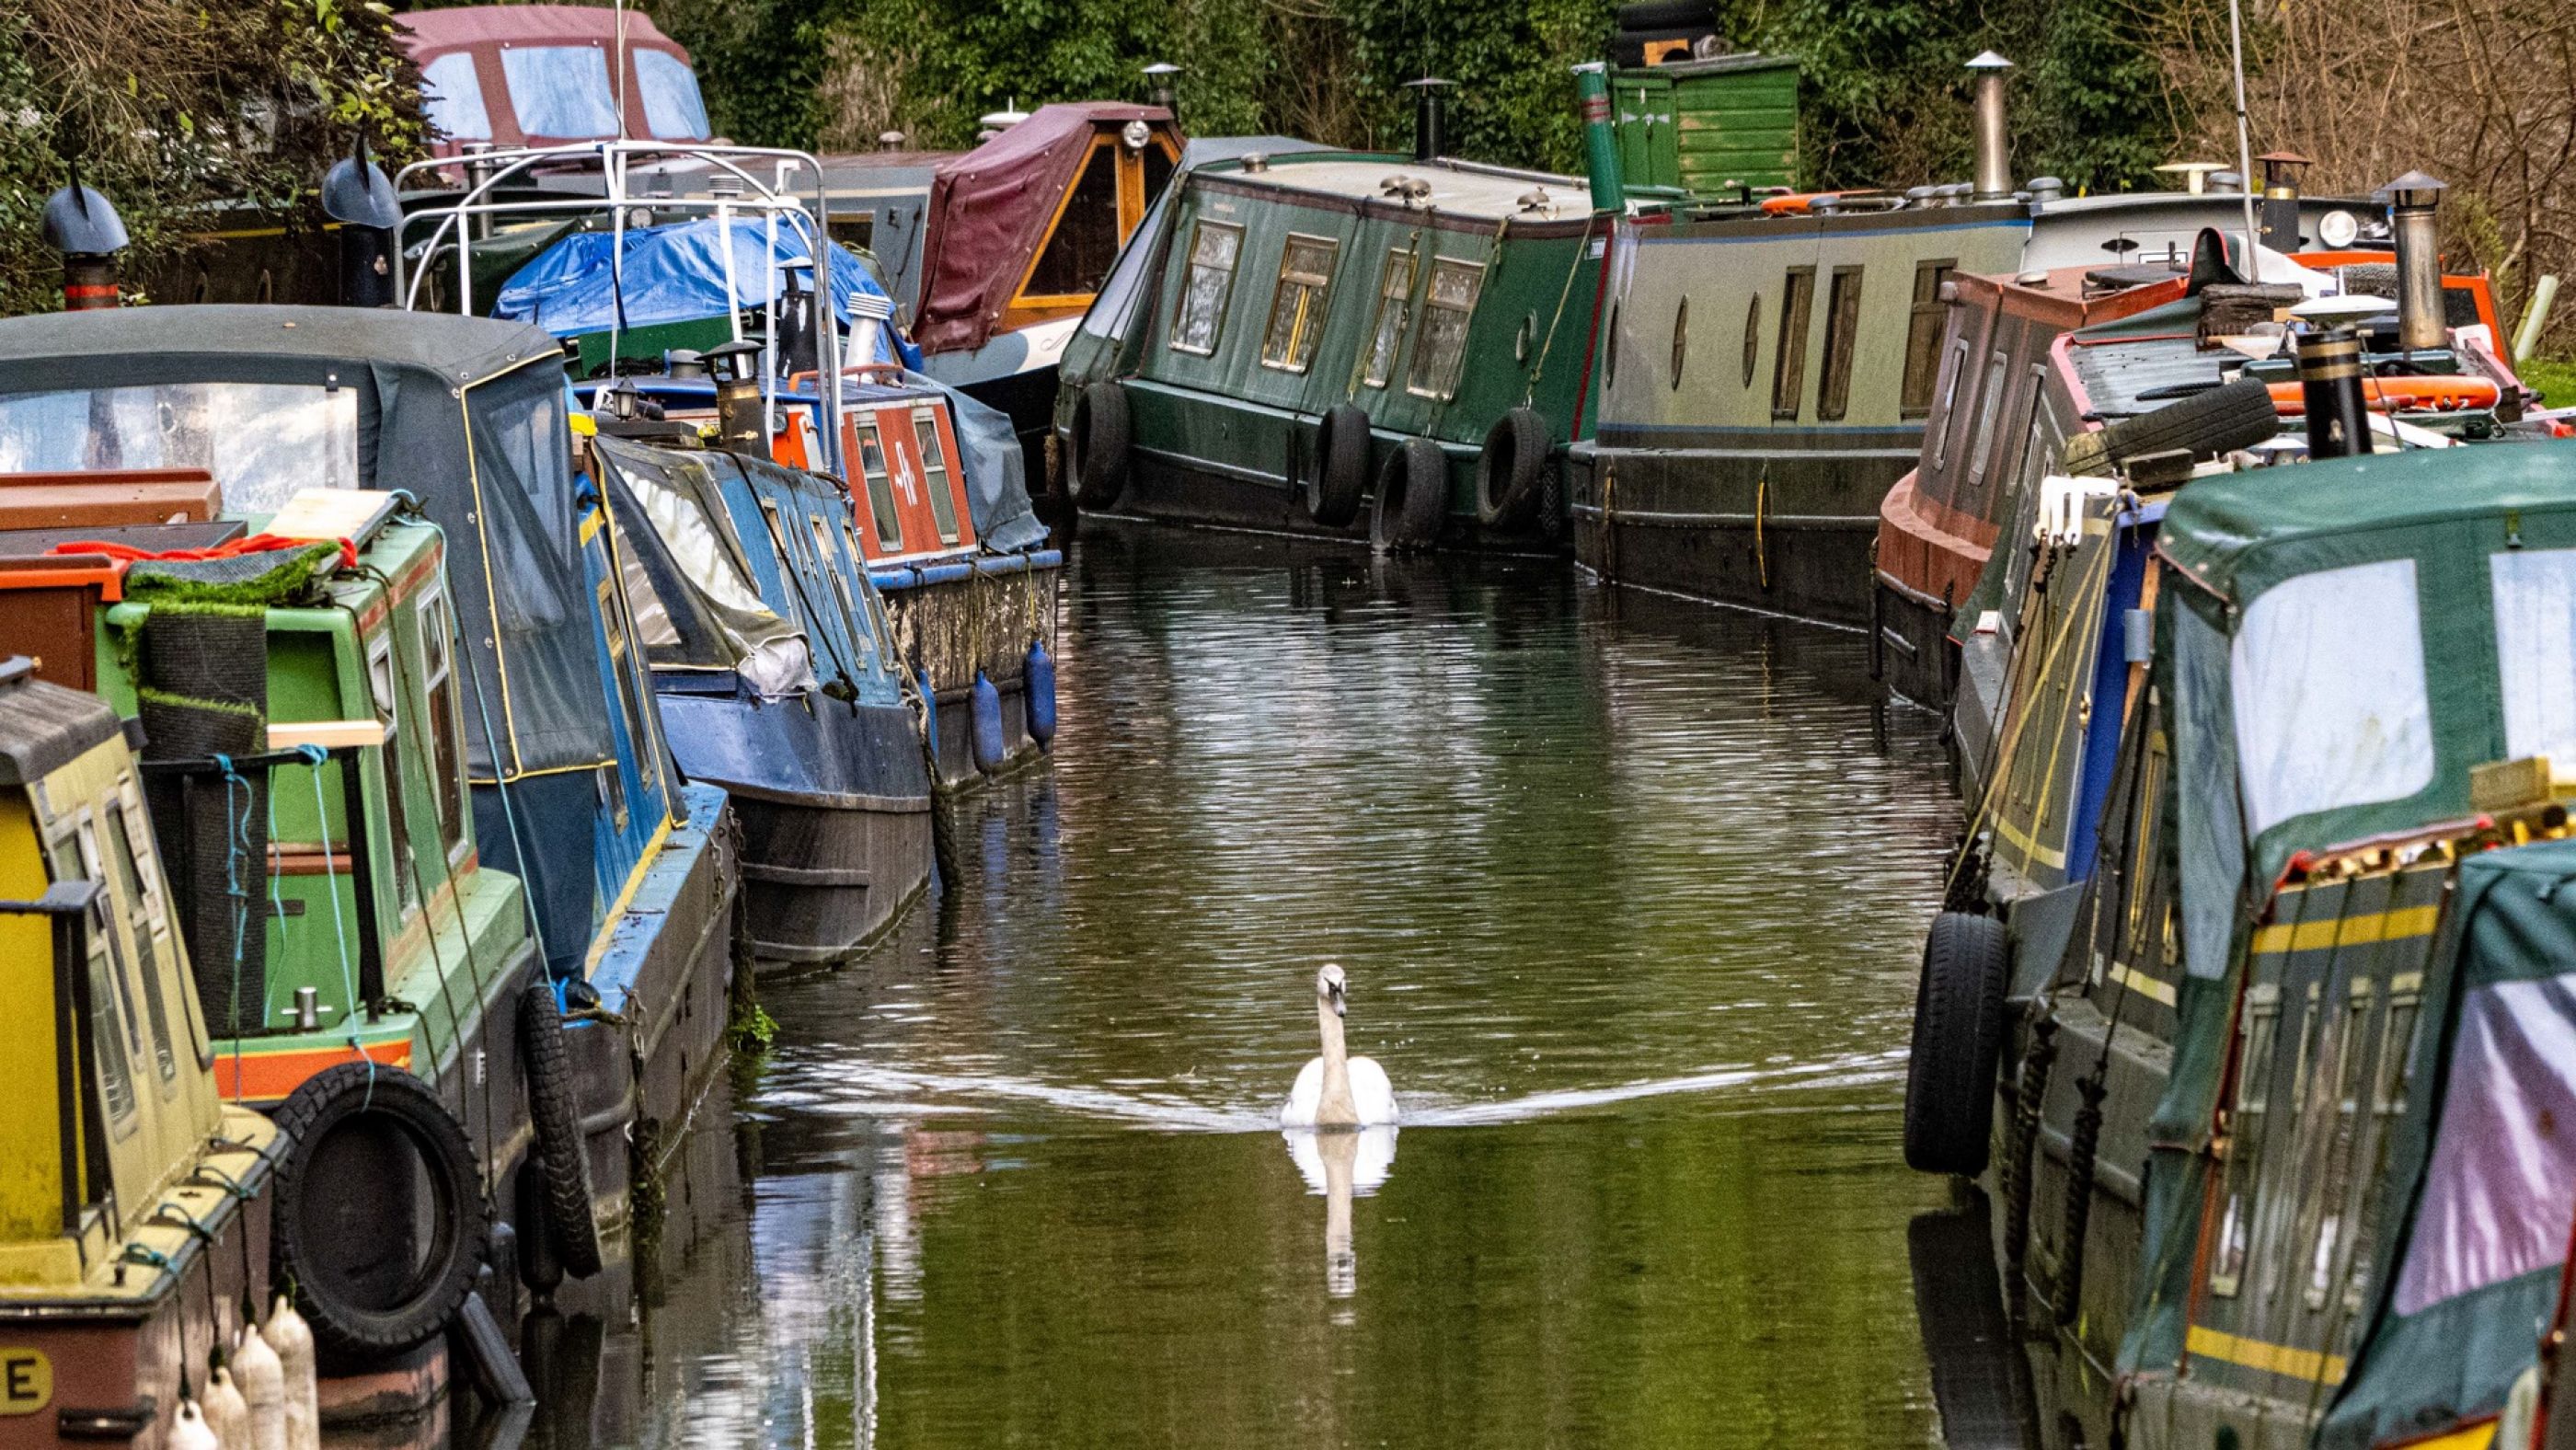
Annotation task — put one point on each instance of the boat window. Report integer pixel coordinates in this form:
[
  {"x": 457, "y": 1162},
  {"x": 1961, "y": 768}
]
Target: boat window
[
  {"x": 856, "y": 230},
  {"x": 1752, "y": 336},
  {"x": 451, "y": 98},
  {"x": 386, "y": 686},
  {"x": 1085, "y": 242},
  {"x": 840, "y": 574},
  {"x": 2322, "y": 721},
  {"x": 111, "y": 1016},
  {"x": 1394, "y": 309},
  {"x": 1842, "y": 328},
  {"x": 1297, "y": 308},
  {"x": 448, "y": 786},
  {"x": 1681, "y": 339},
  {"x": 1990, "y": 410},
  {"x": 134, "y": 836},
  {"x": 1158, "y": 171},
  {"x": 872, "y": 469},
  {"x": 673, "y": 109},
  {"x": 1440, "y": 353},
  {"x": 2535, "y": 615},
  {"x": 2259, "y": 1028},
  {"x": 1953, "y": 364},
  {"x": 1214, "y": 246},
  {"x": 1789, "y": 365},
  {"x": 1923, "y": 337},
  {"x": 263, "y": 442},
  {"x": 560, "y": 91},
  {"x": 140, "y": 916},
  {"x": 934, "y": 466}
]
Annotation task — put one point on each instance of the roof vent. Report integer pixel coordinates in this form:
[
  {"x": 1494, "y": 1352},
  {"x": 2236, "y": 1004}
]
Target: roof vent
[
  {"x": 1255, "y": 162},
  {"x": 1403, "y": 188},
  {"x": 1536, "y": 199},
  {"x": 2045, "y": 189}
]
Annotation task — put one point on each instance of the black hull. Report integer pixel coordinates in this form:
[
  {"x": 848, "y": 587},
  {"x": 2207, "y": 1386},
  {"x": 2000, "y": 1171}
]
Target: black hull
[
  {"x": 1173, "y": 490},
  {"x": 1911, "y": 649},
  {"x": 822, "y": 881}
]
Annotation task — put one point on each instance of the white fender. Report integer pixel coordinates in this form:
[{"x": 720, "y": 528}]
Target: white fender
[
  {"x": 263, "y": 1384},
  {"x": 292, "y": 1338}
]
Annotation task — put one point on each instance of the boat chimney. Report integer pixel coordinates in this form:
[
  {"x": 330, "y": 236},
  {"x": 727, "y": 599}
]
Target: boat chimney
[
  {"x": 1600, "y": 143},
  {"x": 1159, "y": 88},
  {"x": 799, "y": 321},
  {"x": 80, "y": 224},
  {"x": 356, "y": 194},
  {"x": 741, "y": 424},
  {"x": 1994, "y": 135},
  {"x": 2280, "y": 225},
  {"x": 1430, "y": 117},
  {"x": 2330, "y": 383},
  {"x": 2412, "y": 199},
  {"x": 890, "y": 140},
  {"x": 479, "y": 171}
]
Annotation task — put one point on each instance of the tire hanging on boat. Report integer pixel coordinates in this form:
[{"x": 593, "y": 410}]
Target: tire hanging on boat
[
  {"x": 1510, "y": 469},
  {"x": 370, "y": 1148},
  {"x": 984, "y": 719},
  {"x": 1339, "y": 484},
  {"x": 1100, "y": 446},
  {"x": 1958, "y": 1034},
  {"x": 1037, "y": 675},
  {"x": 1412, "y": 497},
  {"x": 554, "y": 1108}
]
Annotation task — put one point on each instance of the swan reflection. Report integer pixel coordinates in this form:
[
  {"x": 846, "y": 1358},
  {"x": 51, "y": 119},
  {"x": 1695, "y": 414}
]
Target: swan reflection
[{"x": 1341, "y": 1165}]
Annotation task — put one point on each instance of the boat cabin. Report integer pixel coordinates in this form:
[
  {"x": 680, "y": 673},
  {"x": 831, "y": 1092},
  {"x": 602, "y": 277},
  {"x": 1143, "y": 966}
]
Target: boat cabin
[{"x": 503, "y": 77}]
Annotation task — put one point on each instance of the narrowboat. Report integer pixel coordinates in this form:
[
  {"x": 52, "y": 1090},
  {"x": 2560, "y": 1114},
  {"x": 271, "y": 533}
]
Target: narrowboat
[
  {"x": 1318, "y": 336},
  {"x": 136, "y": 1219},
  {"x": 1937, "y": 525},
  {"x": 1767, "y": 363},
  {"x": 773, "y": 659},
  {"x": 2265, "y": 1091},
  {"x": 992, "y": 255},
  {"x": 477, "y": 603}
]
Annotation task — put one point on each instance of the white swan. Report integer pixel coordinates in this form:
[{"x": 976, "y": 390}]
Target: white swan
[{"x": 1336, "y": 1090}]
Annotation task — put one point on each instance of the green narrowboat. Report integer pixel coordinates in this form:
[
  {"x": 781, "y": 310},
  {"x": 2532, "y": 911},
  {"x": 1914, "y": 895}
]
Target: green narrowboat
[
  {"x": 135, "y": 1218},
  {"x": 2264, "y": 1063},
  {"x": 1310, "y": 336}
]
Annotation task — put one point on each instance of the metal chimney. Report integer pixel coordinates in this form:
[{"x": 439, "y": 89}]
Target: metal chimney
[
  {"x": 356, "y": 194},
  {"x": 80, "y": 224},
  {"x": 1600, "y": 144},
  {"x": 2280, "y": 227},
  {"x": 1994, "y": 135},
  {"x": 2330, "y": 384},
  {"x": 1430, "y": 117},
  {"x": 2412, "y": 199},
  {"x": 1159, "y": 88}
]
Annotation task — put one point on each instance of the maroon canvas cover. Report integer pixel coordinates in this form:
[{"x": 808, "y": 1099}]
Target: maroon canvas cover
[
  {"x": 439, "y": 30},
  {"x": 989, "y": 210}
]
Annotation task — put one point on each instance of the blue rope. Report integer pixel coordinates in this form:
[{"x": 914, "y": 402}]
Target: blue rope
[{"x": 237, "y": 847}]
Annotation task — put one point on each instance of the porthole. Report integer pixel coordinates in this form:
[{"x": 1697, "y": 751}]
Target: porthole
[
  {"x": 1681, "y": 339},
  {"x": 1521, "y": 340},
  {"x": 1610, "y": 349},
  {"x": 1752, "y": 336}
]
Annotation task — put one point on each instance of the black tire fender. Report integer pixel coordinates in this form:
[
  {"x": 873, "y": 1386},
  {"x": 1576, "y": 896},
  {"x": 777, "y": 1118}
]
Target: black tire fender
[
  {"x": 1097, "y": 461},
  {"x": 355, "y": 1132},
  {"x": 1412, "y": 497},
  {"x": 1339, "y": 482},
  {"x": 554, "y": 1109},
  {"x": 1958, "y": 1035},
  {"x": 1509, "y": 470},
  {"x": 2206, "y": 425}
]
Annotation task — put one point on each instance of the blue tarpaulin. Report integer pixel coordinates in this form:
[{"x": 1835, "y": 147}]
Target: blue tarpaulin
[{"x": 676, "y": 273}]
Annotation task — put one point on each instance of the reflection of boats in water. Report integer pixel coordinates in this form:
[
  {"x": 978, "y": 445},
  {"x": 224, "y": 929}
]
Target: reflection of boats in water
[{"x": 1980, "y": 1382}]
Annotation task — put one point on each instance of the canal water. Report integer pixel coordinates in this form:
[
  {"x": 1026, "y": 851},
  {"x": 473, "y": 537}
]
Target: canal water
[{"x": 1629, "y": 893}]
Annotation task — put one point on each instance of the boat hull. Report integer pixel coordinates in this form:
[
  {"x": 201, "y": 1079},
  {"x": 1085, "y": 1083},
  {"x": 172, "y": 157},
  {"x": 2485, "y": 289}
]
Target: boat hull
[{"x": 834, "y": 805}]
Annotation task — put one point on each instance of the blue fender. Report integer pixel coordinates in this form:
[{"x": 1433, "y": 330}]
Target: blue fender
[
  {"x": 986, "y": 720},
  {"x": 1038, "y": 677}
]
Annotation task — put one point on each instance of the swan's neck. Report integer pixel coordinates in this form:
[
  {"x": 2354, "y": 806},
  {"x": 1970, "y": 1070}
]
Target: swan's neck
[{"x": 1335, "y": 1106}]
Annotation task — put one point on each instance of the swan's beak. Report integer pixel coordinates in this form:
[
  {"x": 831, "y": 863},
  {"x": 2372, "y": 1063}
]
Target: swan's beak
[{"x": 1333, "y": 994}]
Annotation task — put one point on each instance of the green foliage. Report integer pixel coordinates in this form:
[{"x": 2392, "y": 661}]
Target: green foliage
[
  {"x": 171, "y": 108},
  {"x": 2556, "y": 379}
]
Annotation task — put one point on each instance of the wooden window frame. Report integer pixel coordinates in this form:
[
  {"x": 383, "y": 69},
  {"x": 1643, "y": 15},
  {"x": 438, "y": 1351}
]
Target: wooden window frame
[
  {"x": 1312, "y": 305},
  {"x": 1199, "y": 227},
  {"x": 1377, "y": 372},
  {"x": 1789, "y": 356},
  {"x": 1456, "y": 369},
  {"x": 1925, "y": 312},
  {"x": 1842, "y": 339}
]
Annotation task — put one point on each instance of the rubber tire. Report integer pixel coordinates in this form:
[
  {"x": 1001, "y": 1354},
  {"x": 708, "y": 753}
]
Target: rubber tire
[
  {"x": 1510, "y": 468},
  {"x": 1958, "y": 1035},
  {"x": 554, "y": 1110},
  {"x": 2207, "y": 425},
  {"x": 1413, "y": 521},
  {"x": 1097, "y": 460},
  {"x": 328, "y": 1100},
  {"x": 1668, "y": 15},
  {"x": 1339, "y": 484}
]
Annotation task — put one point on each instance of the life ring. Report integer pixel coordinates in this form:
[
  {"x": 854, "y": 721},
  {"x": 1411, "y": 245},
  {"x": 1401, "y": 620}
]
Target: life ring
[
  {"x": 1509, "y": 469},
  {"x": 1100, "y": 443},
  {"x": 1412, "y": 497},
  {"x": 371, "y": 1147},
  {"x": 2440, "y": 393},
  {"x": 1339, "y": 483},
  {"x": 554, "y": 1110},
  {"x": 1958, "y": 1034}
]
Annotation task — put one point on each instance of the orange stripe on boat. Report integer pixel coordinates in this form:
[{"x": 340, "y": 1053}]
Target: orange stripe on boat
[{"x": 267, "y": 1076}]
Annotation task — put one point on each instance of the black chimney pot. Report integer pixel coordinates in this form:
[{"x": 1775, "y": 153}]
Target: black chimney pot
[{"x": 1430, "y": 117}]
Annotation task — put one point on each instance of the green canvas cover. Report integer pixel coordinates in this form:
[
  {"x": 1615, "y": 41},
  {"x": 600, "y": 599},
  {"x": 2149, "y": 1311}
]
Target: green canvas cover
[{"x": 2486, "y": 1162}]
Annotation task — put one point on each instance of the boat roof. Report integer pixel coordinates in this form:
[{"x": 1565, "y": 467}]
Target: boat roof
[
  {"x": 2238, "y": 533},
  {"x": 527, "y": 24},
  {"x": 461, "y": 349},
  {"x": 45, "y": 726},
  {"x": 1458, "y": 188}
]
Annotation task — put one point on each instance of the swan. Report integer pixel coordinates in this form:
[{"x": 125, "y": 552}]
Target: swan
[{"x": 1336, "y": 1090}]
